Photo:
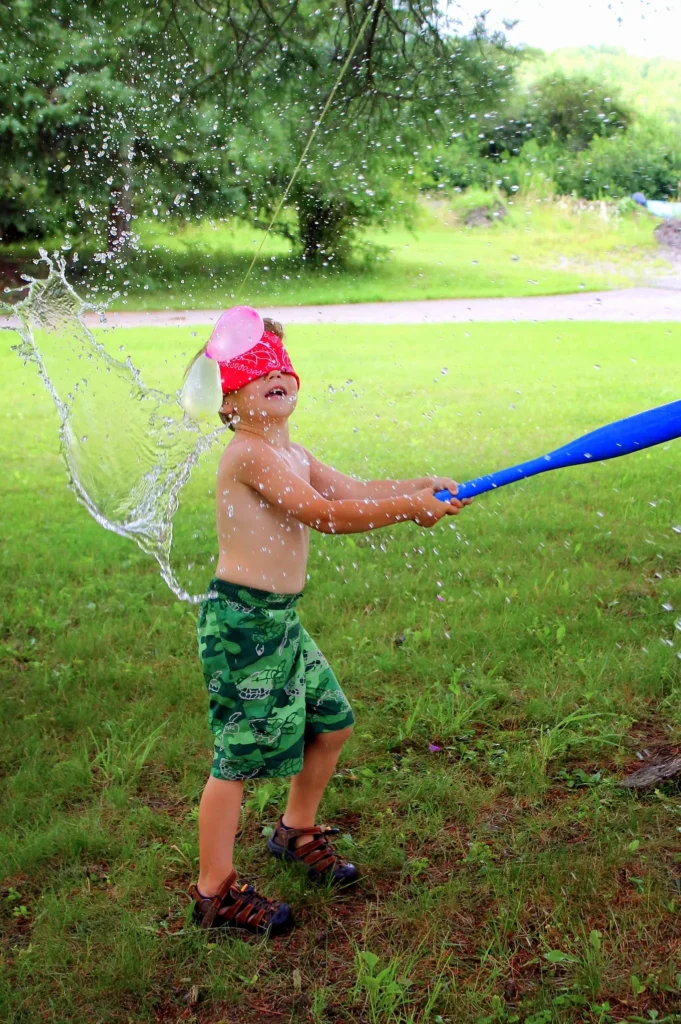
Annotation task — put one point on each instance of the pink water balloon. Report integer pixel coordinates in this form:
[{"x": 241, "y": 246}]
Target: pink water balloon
[{"x": 237, "y": 330}]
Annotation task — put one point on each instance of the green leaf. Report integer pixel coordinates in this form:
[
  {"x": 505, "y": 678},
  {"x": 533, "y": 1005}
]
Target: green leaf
[
  {"x": 556, "y": 956},
  {"x": 633, "y": 846},
  {"x": 636, "y": 986},
  {"x": 370, "y": 959}
]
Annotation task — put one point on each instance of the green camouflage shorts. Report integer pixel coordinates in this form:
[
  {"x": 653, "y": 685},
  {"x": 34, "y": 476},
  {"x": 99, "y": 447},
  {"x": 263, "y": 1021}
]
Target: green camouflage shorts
[{"x": 269, "y": 685}]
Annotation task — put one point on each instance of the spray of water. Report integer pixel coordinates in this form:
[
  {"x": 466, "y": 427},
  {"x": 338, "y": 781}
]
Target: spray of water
[{"x": 128, "y": 449}]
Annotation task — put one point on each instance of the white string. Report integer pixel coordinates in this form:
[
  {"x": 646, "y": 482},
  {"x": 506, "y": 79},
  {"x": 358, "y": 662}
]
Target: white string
[{"x": 308, "y": 144}]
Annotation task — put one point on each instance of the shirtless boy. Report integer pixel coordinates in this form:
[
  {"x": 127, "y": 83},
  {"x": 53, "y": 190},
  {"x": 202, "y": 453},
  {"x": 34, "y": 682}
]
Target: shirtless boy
[{"x": 275, "y": 707}]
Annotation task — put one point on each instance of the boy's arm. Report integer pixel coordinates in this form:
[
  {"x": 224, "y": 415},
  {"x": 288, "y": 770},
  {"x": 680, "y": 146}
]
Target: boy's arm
[
  {"x": 335, "y": 485},
  {"x": 262, "y": 469}
]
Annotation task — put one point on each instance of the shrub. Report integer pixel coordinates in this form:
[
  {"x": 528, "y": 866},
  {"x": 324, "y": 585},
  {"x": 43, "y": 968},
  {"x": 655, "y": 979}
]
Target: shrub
[{"x": 646, "y": 158}]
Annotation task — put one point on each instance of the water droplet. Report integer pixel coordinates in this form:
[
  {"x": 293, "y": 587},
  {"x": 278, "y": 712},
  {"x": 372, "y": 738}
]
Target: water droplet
[
  {"x": 444, "y": 371},
  {"x": 596, "y": 366},
  {"x": 667, "y": 607}
]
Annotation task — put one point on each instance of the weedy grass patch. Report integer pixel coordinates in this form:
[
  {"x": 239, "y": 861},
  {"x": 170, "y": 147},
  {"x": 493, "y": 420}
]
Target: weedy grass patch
[
  {"x": 543, "y": 247},
  {"x": 506, "y": 668}
]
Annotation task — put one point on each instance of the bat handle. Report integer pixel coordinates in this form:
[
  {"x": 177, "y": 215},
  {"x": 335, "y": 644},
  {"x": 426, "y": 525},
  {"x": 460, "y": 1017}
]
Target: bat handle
[
  {"x": 492, "y": 481},
  {"x": 464, "y": 491}
]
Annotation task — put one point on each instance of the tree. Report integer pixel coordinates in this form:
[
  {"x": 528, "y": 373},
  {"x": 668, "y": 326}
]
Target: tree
[
  {"x": 175, "y": 108},
  {"x": 412, "y": 84},
  {"x": 112, "y": 106}
]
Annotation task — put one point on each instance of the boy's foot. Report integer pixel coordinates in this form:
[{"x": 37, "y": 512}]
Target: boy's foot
[
  {"x": 240, "y": 907},
  {"x": 317, "y": 854}
]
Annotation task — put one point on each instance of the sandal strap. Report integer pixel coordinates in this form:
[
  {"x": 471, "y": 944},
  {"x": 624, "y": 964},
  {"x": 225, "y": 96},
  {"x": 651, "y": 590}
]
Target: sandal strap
[
  {"x": 249, "y": 907},
  {"x": 319, "y": 853}
]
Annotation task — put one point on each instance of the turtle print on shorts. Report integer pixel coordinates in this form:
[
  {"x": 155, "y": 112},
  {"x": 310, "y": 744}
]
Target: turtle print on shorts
[{"x": 269, "y": 685}]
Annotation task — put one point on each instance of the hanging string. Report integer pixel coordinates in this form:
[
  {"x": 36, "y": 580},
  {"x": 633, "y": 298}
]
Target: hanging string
[{"x": 309, "y": 142}]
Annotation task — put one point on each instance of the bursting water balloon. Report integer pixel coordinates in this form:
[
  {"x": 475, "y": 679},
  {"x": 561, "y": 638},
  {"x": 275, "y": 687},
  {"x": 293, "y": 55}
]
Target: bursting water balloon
[
  {"x": 237, "y": 330},
  {"x": 128, "y": 449},
  {"x": 201, "y": 395}
]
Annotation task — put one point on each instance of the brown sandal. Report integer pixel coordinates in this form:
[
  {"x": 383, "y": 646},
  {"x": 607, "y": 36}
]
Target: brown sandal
[
  {"x": 241, "y": 908},
  {"x": 318, "y": 855}
]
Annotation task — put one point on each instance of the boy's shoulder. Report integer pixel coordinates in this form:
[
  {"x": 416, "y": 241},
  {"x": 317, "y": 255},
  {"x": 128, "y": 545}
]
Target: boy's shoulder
[
  {"x": 238, "y": 449},
  {"x": 241, "y": 448}
]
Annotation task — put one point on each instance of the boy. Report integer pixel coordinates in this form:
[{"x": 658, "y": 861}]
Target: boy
[{"x": 276, "y": 708}]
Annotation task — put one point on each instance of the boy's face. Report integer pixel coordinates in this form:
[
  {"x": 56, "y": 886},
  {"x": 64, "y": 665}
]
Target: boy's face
[{"x": 273, "y": 396}]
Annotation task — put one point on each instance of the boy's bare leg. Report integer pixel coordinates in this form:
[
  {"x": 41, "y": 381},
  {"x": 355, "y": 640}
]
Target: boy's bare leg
[
  {"x": 307, "y": 787},
  {"x": 219, "y": 812}
]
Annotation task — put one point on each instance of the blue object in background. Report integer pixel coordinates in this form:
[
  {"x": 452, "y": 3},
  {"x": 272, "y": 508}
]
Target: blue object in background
[
  {"x": 658, "y": 208},
  {"x": 622, "y": 437}
]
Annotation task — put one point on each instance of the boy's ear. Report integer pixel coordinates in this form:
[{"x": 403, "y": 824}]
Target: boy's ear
[{"x": 227, "y": 407}]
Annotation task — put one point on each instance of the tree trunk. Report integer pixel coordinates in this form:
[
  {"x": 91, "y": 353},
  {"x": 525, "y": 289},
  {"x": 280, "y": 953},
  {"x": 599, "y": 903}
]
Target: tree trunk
[
  {"x": 120, "y": 206},
  {"x": 321, "y": 228},
  {"x": 120, "y": 215}
]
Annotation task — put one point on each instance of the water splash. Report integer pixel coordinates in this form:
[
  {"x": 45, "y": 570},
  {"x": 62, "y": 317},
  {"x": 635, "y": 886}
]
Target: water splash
[{"x": 128, "y": 449}]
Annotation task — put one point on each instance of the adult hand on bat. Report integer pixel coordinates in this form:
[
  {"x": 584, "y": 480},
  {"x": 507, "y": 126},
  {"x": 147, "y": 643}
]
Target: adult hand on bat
[{"x": 427, "y": 510}]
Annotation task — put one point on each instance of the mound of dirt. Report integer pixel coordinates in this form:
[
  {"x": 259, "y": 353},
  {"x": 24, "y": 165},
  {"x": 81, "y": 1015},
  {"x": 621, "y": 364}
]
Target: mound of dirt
[
  {"x": 482, "y": 216},
  {"x": 669, "y": 233}
]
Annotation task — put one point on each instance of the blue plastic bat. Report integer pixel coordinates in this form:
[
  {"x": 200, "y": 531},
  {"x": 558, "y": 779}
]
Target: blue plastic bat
[{"x": 632, "y": 434}]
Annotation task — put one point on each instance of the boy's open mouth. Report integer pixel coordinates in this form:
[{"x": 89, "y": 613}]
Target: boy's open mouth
[{"x": 278, "y": 391}]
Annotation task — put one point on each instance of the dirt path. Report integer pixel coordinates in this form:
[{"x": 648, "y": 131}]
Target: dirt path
[{"x": 632, "y": 304}]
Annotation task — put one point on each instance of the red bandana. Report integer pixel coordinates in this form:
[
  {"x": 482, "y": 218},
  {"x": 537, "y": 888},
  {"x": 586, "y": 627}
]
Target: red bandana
[{"x": 267, "y": 355}]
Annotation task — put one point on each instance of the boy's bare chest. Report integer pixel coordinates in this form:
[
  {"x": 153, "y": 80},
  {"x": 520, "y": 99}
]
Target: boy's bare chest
[{"x": 239, "y": 505}]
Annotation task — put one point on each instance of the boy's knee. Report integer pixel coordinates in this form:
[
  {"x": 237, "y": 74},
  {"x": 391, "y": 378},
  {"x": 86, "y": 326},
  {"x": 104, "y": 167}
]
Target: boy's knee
[{"x": 336, "y": 738}]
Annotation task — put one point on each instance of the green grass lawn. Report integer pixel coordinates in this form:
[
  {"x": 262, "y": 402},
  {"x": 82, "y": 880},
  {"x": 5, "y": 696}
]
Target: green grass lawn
[
  {"x": 506, "y": 877},
  {"x": 542, "y": 247}
]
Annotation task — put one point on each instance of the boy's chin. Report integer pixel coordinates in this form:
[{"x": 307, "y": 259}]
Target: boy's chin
[
  {"x": 281, "y": 413},
  {"x": 278, "y": 407}
]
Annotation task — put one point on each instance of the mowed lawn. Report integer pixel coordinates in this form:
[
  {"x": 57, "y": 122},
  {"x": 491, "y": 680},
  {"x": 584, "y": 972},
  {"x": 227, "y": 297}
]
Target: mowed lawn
[{"x": 532, "y": 639}]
